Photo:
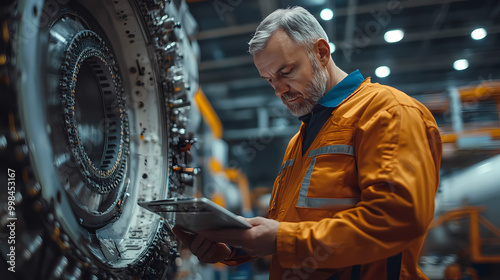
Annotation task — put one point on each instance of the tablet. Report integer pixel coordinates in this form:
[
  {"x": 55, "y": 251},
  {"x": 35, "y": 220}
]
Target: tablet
[{"x": 195, "y": 214}]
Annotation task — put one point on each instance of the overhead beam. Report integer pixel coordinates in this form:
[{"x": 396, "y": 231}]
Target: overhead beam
[
  {"x": 226, "y": 31},
  {"x": 226, "y": 62},
  {"x": 410, "y": 37},
  {"x": 363, "y": 9}
]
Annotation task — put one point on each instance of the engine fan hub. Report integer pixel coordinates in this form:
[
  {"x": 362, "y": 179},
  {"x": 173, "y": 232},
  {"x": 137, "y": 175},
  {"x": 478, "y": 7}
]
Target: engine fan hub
[
  {"x": 94, "y": 114},
  {"x": 84, "y": 86}
]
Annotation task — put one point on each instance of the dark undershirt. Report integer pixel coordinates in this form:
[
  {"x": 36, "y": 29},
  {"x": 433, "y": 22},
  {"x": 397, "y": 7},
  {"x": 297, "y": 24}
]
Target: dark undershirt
[{"x": 314, "y": 121}]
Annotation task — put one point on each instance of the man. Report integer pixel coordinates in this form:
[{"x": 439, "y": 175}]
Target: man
[{"x": 355, "y": 193}]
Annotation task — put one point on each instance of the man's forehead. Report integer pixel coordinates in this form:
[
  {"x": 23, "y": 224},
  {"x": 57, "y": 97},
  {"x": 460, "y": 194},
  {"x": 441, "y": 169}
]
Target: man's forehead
[
  {"x": 279, "y": 51},
  {"x": 269, "y": 63}
]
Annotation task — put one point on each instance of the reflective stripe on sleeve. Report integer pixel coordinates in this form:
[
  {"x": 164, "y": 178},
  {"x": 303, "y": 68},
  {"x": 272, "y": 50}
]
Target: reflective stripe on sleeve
[
  {"x": 286, "y": 164},
  {"x": 309, "y": 202}
]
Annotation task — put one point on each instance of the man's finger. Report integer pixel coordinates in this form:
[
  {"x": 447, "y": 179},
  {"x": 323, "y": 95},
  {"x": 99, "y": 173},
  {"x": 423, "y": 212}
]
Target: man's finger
[
  {"x": 197, "y": 243},
  {"x": 185, "y": 237},
  {"x": 216, "y": 253},
  {"x": 254, "y": 221},
  {"x": 208, "y": 254},
  {"x": 204, "y": 248},
  {"x": 243, "y": 218}
]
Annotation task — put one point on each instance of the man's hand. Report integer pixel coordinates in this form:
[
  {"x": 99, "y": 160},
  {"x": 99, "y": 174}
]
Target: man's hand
[
  {"x": 258, "y": 241},
  {"x": 207, "y": 251}
]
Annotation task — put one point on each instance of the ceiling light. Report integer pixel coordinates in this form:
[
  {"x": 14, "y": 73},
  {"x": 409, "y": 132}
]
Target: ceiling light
[
  {"x": 332, "y": 47},
  {"x": 461, "y": 64},
  {"x": 393, "y": 36},
  {"x": 382, "y": 71},
  {"x": 326, "y": 14},
  {"x": 478, "y": 33}
]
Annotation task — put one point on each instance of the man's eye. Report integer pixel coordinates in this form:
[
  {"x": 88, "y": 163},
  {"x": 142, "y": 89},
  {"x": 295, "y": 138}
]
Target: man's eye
[{"x": 287, "y": 72}]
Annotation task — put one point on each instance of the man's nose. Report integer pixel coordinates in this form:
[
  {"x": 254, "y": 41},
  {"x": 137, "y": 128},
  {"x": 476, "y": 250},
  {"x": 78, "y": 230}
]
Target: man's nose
[{"x": 280, "y": 88}]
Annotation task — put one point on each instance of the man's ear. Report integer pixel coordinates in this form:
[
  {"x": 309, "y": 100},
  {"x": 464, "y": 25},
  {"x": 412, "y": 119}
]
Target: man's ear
[{"x": 322, "y": 49}]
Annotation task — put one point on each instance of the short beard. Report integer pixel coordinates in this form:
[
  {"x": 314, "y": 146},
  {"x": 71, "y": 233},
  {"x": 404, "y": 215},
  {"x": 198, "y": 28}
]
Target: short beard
[{"x": 315, "y": 89}]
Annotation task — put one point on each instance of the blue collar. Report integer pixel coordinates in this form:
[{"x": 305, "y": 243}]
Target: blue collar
[{"x": 342, "y": 90}]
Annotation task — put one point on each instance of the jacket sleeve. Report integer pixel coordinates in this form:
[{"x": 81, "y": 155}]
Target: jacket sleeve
[{"x": 398, "y": 154}]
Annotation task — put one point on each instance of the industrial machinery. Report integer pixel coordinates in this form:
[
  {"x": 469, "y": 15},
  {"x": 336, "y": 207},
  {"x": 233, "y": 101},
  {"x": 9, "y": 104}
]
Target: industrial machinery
[
  {"x": 466, "y": 228},
  {"x": 95, "y": 116},
  {"x": 465, "y": 233}
]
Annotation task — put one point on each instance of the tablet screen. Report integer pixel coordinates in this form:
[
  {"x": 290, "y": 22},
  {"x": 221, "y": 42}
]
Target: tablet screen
[{"x": 196, "y": 214}]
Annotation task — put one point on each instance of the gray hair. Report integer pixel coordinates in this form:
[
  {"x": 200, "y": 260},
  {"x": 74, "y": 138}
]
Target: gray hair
[{"x": 302, "y": 27}]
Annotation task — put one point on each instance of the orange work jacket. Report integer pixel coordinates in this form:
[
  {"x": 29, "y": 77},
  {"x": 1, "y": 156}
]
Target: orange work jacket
[{"x": 357, "y": 204}]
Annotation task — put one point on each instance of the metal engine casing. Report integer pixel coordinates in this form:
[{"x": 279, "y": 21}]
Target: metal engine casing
[{"x": 95, "y": 116}]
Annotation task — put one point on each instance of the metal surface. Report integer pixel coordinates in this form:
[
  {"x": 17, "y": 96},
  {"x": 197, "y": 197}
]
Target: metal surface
[{"x": 95, "y": 116}]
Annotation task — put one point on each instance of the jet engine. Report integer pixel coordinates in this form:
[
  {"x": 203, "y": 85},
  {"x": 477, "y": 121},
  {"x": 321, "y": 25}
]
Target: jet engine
[{"x": 95, "y": 116}]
